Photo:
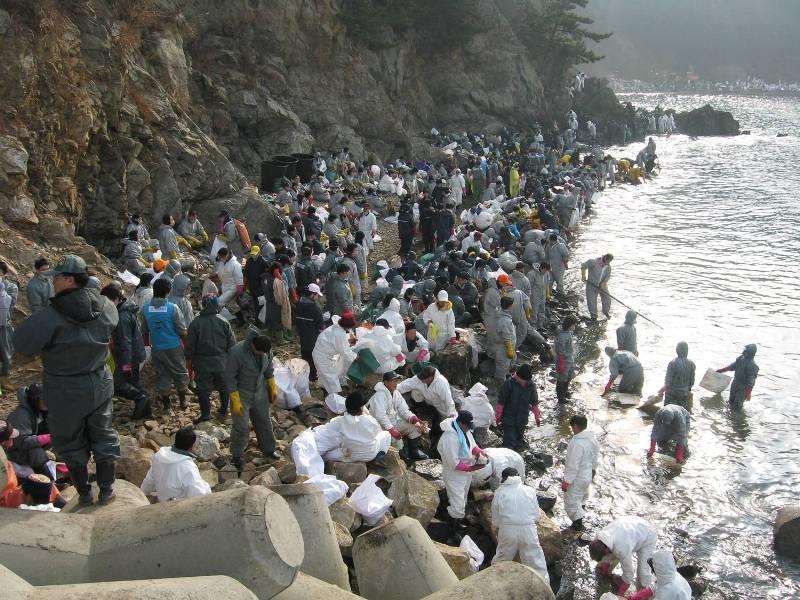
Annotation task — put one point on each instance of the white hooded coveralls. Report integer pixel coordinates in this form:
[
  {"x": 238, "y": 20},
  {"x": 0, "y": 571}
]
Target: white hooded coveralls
[
  {"x": 390, "y": 410},
  {"x": 455, "y": 482},
  {"x": 582, "y": 454},
  {"x": 670, "y": 585},
  {"x": 173, "y": 475},
  {"x": 444, "y": 322},
  {"x": 361, "y": 438},
  {"x": 515, "y": 512},
  {"x": 625, "y": 537},
  {"x": 332, "y": 357},
  {"x": 437, "y": 394}
]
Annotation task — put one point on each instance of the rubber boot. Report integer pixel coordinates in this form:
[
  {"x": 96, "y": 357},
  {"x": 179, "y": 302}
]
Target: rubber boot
[
  {"x": 106, "y": 473},
  {"x": 80, "y": 479},
  {"x": 577, "y": 525},
  {"x": 142, "y": 409},
  {"x": 380, "y": 460},
  {"x": 413, "y": 450},
  {"x": 166, "y": 401},
  {"x": 184, "y": 403},
  {"x": 224, "y": 401}
]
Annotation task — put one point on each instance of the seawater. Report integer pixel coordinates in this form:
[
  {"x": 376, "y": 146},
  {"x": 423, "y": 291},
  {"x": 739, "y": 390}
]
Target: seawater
[{"x": 709, "y": 250}]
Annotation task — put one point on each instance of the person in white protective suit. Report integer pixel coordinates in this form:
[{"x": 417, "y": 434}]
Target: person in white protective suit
[
  {"x": 579, "y": 466},
  {"x": 332, "y": 354},
  {"x": 174, "y": 474},
  {"x": 393, "y": 317},
  {"x": 459, "y": 454},
  {"x": 380, "y": 341},
  {"x": 618, "y": 542},
  {"x": 361, "y": 437},
  {"x": 430, "y": 387},
  {"x": 670, "y": 585},
  {"x": 390, "y": 409},
  {"x": 458, "y": 187},
  {"x": 515, "y": 511},
  {"x": 441, "y": 322},
  {"x": 368, "y": 224},
  {"x": 500, "y": 459},
  {"x": 414, "y": 346}
]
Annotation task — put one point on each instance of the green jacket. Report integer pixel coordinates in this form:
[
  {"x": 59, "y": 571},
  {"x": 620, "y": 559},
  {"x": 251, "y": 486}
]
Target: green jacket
[
  {"x": 246, "y": 371},
  {"x": 208, "y": 341}
]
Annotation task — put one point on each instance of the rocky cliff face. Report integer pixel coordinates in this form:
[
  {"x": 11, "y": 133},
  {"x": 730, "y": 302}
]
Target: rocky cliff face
[{"x": 120, "y": 106}]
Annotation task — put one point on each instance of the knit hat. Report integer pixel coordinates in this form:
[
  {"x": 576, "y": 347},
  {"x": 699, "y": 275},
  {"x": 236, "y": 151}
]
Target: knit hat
[
  {"x": 524, "y": 372},
  {"x": 347, "y": 320},
  {"x": 442, "y": 296}
]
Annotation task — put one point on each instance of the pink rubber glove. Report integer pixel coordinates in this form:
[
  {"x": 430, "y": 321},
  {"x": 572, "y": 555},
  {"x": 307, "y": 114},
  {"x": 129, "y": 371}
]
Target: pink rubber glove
[
  {"x": 564, "y": 486},
  {"x": 414, "y": 419},
  {"x": 498, "y": 414},
  {"x": 537, "y": 414},
  {"x": 561, "y": 364},
  {"x": 454, "y": 339},
  {"x": 421, "y": 355},
  {"x": 652, "y": 449},
  {"x": 44, "y": 439},
  {"x": 400, "y": 357},
  {"x": 604, "y": 568},
  {"x": 126, "y": 369},
  {"x": 463, "y": 466},
  {"x": 644, "y": 594},
  {"x": 395, "y": 434},
  {"x": 622, "y": 588},
  {"x": 679, "y": 454},
  {"x": 747, "y": 393},
  {"x": 240, "y": 290},
  {"x": 476, "y": 450}
]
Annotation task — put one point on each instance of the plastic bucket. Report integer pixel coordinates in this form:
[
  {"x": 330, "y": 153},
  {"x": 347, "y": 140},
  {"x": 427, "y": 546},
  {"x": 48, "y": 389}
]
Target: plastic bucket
[
  {"x": 290, "y": 162},
  {"x": 304, "y": 167},
  {"x": 271, "y": 174}
]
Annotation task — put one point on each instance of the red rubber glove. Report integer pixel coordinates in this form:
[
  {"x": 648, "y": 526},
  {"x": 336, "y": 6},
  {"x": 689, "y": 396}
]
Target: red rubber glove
[
  {"x": 463, "y": 466},
  {"x": 564, "y": 486},
  {"x": 44, "y": 439},
  {"x": 537, "y": 414},
  {"x": 476, "y": 450},
  {"x": 240, "y": 290},
  {"x": 395, "y": 434},
  {"x": 608, "y": 387},
  {"x": 498, "y": 414},
  {"x": 400, "y": 357},
  {"x": 679, "y": 454},
  {"x": 652, "y": 449},
  {"x": 747, "y": 393},
  {"x": 644, "y": 594},
  {"x": 622, "y": 588},
  {"x": 561, "y": 364},
  {"x": 126, "y": 369},
  {"x": 421, "y": 355},
  {"x": 414, "y": 419},
  {"x": 453, "y": 340}
]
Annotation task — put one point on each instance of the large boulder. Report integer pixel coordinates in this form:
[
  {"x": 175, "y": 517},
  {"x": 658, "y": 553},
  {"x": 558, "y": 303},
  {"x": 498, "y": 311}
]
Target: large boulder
[
  {"x": 507, "y": 580},
  {"x": 415, "y": 497},
  {"x": 127, "y": 496},
  {"x": 456, "y": 558},
  {"x": 786, "y": 531},
  {"x": 134, "y": 462},
  {"x": 206, "y": 446},
  {"x": 454, "y": 362},
  {"x": 247, "y": 206},
  {"x": 306, "y": 587},
  {"x": 707, "y": 121},
  {"x": 550, "y": 537},
  {"x": 350, "y": 473}
]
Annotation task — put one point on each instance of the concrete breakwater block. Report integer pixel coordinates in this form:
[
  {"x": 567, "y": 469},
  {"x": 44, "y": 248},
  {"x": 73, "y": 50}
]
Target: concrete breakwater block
[
  {"x": 322, "y": 555},
  {"x": 128, "y": 496},
  {"x": 197, "y": 588},
  {"x": 398, "y": 561},
  {"x": 249, "y": 534},
  {"x": 306, "y": 587},
  {"x": 507, "y": 580},
  {"x": 786, "y": 531}
]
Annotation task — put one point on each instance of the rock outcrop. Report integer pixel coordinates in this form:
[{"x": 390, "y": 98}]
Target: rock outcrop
[
  {"x": 707, "y": 121},
  {"x": 155, "y": 106},
  {"x": 786, "y": 531}
]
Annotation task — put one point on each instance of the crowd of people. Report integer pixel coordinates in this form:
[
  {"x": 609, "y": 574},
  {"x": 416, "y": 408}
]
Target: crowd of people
[{"x": 491, "y": 223}]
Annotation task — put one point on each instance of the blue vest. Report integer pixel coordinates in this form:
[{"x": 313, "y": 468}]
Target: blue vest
[{"x": 161, "y": 324}]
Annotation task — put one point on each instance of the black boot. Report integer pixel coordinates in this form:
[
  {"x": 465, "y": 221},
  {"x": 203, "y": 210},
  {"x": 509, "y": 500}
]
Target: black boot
[
  {"x": 413, "y": 450},
  {"x": 142, "y": 409},
  {"x": 166, "y": 401},
  {"x": 105, "y": 481},
  {"x": 80, "y": 479},
  {"x": 184, "y": 403},
  {"x": 380, "y": 460},
  {"x": 577, "y": 525}
]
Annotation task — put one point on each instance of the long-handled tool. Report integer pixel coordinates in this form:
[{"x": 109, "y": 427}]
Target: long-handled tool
[{"x": 625, "y": 305}]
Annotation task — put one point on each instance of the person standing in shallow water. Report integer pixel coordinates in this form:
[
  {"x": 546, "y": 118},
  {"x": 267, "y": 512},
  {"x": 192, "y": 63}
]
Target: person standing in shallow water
[
  {"x": 565, "y": 358},
  {"x": 745, "y": 372}
]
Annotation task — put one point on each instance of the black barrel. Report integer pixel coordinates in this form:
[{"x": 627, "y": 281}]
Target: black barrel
[
  {"x": 305, "y": 166},
  {"x": 290, "y": 162},
  {"x": 271, "y": 174}
]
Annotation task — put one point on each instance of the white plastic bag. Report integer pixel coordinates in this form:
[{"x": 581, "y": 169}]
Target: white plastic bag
[
  {"x": 216, "y": 247},
  {"x": 305, "y": 455},
  {"x": 331, "y": 488},
  {"x": 474, "y": 553},
  {"x": 128, "y": 277},
  {"x": 291, "y": 379},
  {"x": 714, "y": 382},
  {"x": 478, "y": 404},
  {"x": 369, "y": 501}
]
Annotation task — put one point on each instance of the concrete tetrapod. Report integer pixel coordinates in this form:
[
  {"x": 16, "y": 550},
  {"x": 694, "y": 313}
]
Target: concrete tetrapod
[
  {"x": 306, "y": 587},
  {"x": 183, "y": 588},
  {"x": 398, "y": 561},
  {"x": 323, "y": 558},
  {"x": 249, "y": 534},
  {"x": 507, "y": 580}
]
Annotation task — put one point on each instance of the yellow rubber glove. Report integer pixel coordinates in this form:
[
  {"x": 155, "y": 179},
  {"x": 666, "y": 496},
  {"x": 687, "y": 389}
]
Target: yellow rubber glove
[
  {"x": 145, "y": 264},
  {"x": 364, "y": 277},
  {"x": 205, "y": 236},
  {"x": 528, "y": 312},
  {"x": 237, "y": 410},
  {"x": 272, "y": 387},
  {"x": 509, "y": 349},
  {"x": 604, "y": 285}
]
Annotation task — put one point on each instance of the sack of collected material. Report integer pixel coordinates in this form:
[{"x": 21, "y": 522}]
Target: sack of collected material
[
  {"x": 292, "y": 382},
  {"x": 508, "y": 260},
  {"x": 369, "y": 501},
  {"x": 305, "y": 455},
  {"x": 470, "y": 548},
  {"x": 331, "y": 488},
  {"x": 714, "y": 382},
  {"x": 477, "y": 402}
]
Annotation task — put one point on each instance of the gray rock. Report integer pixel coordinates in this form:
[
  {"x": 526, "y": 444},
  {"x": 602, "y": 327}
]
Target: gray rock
[
  {"x": 267, "y": 478},
  {"x": 415, "y": 497},
  {"x": 350, "y": 473},
  {"x": 546, "y": 501},
  {"x": 786, "y": 531},
  {"x": 206, "y": 446}
]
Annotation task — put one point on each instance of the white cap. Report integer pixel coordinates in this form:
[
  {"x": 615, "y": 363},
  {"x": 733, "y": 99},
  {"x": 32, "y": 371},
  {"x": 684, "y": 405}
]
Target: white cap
[
  {"x": 314, "y": 288},
  {"x": 442, "y": 296}
]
